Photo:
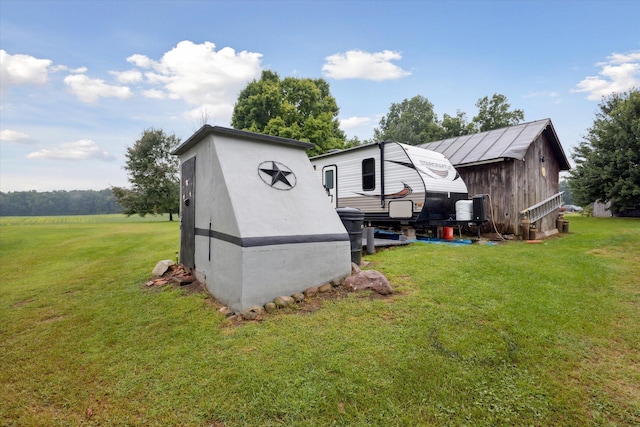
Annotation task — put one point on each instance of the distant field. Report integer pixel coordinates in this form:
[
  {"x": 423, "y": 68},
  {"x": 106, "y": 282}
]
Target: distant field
[{"x": 507, "y": 335}]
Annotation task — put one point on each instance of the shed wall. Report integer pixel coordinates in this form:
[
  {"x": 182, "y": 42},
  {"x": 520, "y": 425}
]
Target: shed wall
[
  {"x": 239, "y": 216},
  {"x": 541, "y": 180},
  {"x": 496, "y": 180},
  {"x": 514, "y": 185}
]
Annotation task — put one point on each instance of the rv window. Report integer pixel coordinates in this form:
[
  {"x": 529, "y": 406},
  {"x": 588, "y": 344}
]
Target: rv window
[
  {"x": 328, "y": 179},
  {"x": 368, "y": 174}
]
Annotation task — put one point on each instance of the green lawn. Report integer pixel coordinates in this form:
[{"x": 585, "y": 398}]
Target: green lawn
[{"x": 510, "y": 335}]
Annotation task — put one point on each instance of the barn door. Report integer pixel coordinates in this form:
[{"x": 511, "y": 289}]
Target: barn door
[
  {"x": 188, "y": 210},
  {"x": 330, "y": 183}
]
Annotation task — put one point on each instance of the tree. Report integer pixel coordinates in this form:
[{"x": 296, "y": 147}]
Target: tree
[
  {"x": 355, "y": 142},
  {"x": 412, "y": 122},
  {"x": 567, "y": 197},
  {"x": 301, "y": 109},
  {"x": 154, "y": 175},
  {"x": 494, "y": 113},
  {"x": 456, "y": 126},
  {"x": 608, "y": 158},
  {"x": 61, "y": 202}
]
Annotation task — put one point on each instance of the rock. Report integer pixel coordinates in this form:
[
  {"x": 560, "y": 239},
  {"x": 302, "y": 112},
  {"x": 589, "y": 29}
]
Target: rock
[
  {"x": 369, "y": 279},
  {"x": 311, "y": 292},
  {"x": 325, "y": 288},
  {"x": 336, "y": 282},
  {"x": 183, "y": 280},
  {"x": 284, "y": 301},
  {"x": 298, "y": 296},
  {"x": 252, "y": 313},
  {"x": 227, "y": 311},
  {"x": 354, "y": 268},
  {"x": 161, "y": 267},
  {"x": 270, "y": 307}
]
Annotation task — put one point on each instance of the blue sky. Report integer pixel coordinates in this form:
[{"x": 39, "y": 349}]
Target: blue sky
[{"x": 81, "y": 80}]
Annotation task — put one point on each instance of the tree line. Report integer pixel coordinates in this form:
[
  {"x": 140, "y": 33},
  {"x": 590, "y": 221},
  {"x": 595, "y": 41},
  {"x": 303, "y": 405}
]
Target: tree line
[
  {"x": 304, "y": 109},
  {"x": 75, "y": 202}
]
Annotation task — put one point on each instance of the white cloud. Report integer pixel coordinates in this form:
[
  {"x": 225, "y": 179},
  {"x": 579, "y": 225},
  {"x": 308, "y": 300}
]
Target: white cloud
[
  {"x": 23, "y": 69},
  {"x": 360, "y": 127},
  {"x": 141, "y": 61},
  {"x": 71, "y": 70},
  {"x": 127, "y": 77},
  {"x": 89, "y": 90},
  {"x": 9, "y": 135},
  {"x": 78, "y": 70},
  {"x": 357, "y": 64},
  {"x": 354, "y": 122},
  {"x": 208, "y": 113},
  {"x": 622, "y": 58},
  {"x": 154, "y": 94},
  {"x": 83, "y": 149},
  {"x": 619, "y": 73},
  {"x": 200, "y": 75}
]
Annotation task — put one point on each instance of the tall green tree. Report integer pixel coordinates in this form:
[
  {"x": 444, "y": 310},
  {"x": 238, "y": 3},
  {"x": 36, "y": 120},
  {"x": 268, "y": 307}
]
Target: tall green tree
[
  {"x": 412, "y": 122},
  {"x": 567, "y": 197},
  {"x": 456, "y": 126},
  {"x": 153, "y": 174},
  {"x": 301, "y": 109},
  {"x": 608, "y": 158},
  {"x": 495, "y": 113},
  {"x": 355, "y": 142}
]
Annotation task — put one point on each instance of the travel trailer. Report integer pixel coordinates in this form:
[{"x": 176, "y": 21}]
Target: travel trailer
[{"x": 396, "y": 184}]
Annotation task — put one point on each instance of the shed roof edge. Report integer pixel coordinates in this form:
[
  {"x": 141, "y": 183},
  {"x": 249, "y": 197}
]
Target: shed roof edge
[{"x": 205, "y": 130}]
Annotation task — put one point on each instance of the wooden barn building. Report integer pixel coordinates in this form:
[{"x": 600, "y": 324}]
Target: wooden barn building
[{"x": 518, "y": 167}]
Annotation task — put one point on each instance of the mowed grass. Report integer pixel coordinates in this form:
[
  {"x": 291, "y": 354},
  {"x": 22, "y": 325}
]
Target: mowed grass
[{"x": 514, "y": 334}]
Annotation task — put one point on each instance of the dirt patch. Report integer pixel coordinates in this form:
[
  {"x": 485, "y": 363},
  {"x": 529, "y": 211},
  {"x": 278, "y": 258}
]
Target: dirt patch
[
  {"x": 175, "y": 278},
  {"x": 179, "y": 276},
  {"x": 21, "y": 303},
  {"x": 314, "y": 303},
  {"x": 309, "y": 305},
  {"x": 52, "y": 319}
]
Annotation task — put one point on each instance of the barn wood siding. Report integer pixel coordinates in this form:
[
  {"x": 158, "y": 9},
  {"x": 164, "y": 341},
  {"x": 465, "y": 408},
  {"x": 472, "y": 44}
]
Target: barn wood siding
[
  {"x": 541, "y": 187},
  {"x": 496, "y": 180},
  {"x": 514, "y": 185}
]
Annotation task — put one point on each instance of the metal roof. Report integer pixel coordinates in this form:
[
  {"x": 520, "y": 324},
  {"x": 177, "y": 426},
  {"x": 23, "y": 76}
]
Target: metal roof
[{"x": 498, "y": 144}]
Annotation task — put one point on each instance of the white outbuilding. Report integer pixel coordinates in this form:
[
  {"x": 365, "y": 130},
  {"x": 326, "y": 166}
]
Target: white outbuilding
[{"x": 255, "y": 222}]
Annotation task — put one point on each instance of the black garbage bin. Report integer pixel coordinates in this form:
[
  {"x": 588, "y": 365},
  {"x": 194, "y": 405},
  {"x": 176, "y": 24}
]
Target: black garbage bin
[{"x": 352, "y": 219}]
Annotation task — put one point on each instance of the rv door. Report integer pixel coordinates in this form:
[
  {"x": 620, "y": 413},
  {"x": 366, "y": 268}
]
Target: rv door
[{"x": 330, "y": 183}]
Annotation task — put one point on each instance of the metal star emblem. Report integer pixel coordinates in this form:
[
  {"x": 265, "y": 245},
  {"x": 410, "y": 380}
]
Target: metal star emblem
[{"x": 277, "y": 175}]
